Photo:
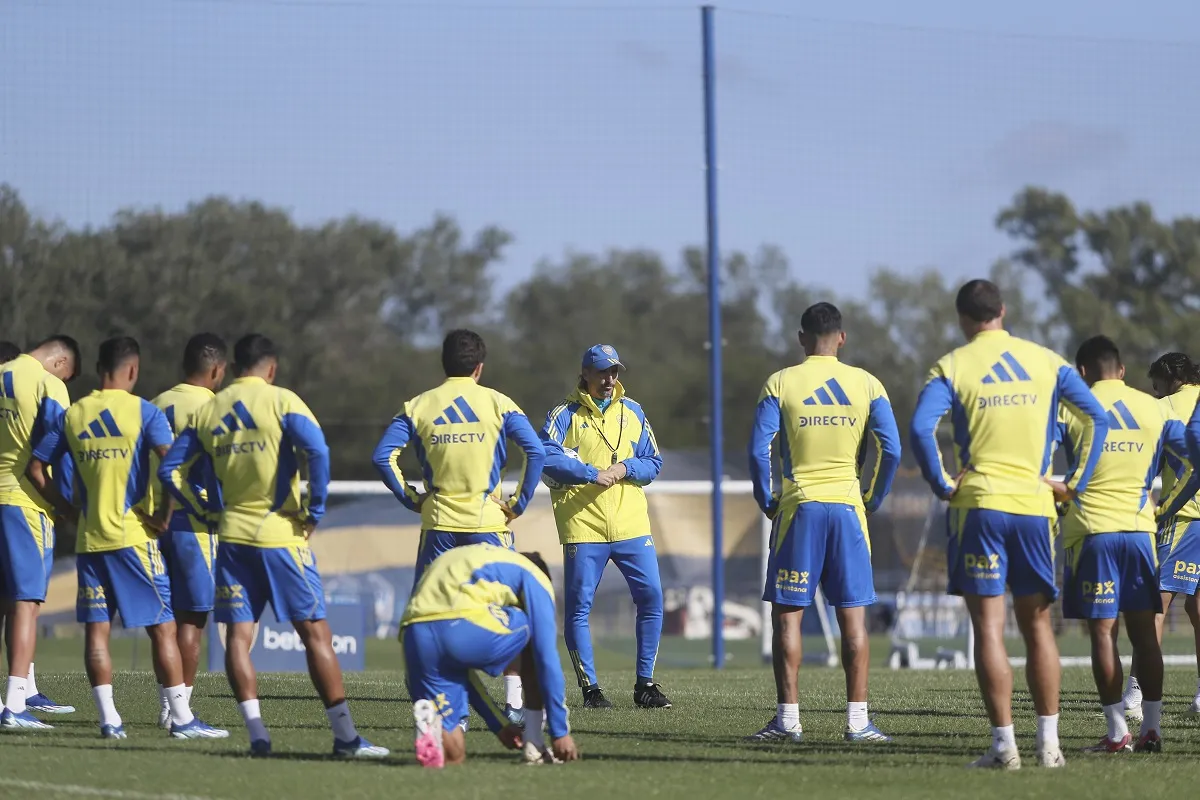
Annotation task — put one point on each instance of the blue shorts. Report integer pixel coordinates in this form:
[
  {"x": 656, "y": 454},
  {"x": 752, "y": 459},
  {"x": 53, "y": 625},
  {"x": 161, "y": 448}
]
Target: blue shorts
[
  {"x": 988, "y": 550},
  {"x": 1109, "y": 573},
  {"x": 248, "y": 577},
  {"x": 434, "y": 543},
  {"x": 190, "y": 557},
  {"x": 821, "y": 544},
  {"x": 131, "y": 582},
  {"x": 441, "y": 657},
  {"x": 26, "y": 553},
  {"x": 1179, "y": 556}
]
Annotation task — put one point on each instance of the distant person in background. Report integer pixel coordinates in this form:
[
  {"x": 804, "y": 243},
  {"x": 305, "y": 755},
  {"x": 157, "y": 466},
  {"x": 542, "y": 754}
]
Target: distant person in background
[
  {"x": 822, "y": 412},
  {"x": 600, "y": 452},
  {"x": 109, "y": 436},
  {"x": 1176, "y": 379},
  {"x": 8, "y": 351},
  {"x": 258, "y": 438},
  {"x": 1003, "y": 396},
  {"x": 33, "y": 399},
  {"x": 460, "y": 431},
  {"x": 189, "y": 545}
]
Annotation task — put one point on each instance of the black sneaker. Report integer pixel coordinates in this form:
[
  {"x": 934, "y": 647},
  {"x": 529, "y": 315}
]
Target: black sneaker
[
  {"x": 593, "y": 697},
  {"x": 648, "y": 695}
]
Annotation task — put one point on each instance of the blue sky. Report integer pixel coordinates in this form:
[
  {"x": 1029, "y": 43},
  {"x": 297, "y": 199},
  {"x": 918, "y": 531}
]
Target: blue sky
[{"x": 854, "y": 134}]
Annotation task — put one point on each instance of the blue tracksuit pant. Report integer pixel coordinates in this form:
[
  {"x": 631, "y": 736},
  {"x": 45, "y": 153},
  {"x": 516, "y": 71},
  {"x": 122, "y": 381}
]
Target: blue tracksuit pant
[{"x": 583, "y": 566}]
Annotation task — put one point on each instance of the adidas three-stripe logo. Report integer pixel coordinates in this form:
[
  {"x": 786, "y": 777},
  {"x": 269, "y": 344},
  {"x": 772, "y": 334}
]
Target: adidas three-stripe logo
[
  {"x": 1126, "y": 422},
  {"x": 831, "y": 394},
  {"x": 236, "y": 420},
  {"x": 101, "y": 427},
  {"x": 1006, "y": 370},
  {"x": 456, "y": 412}
]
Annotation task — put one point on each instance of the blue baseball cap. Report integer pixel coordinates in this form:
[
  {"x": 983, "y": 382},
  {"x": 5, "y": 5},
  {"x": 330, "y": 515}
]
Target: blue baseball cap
[{"x": 602, "y": 356}]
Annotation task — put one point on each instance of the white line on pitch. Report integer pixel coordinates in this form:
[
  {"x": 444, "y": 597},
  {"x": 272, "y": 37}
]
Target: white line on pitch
[{"x": 93, "y": 791}]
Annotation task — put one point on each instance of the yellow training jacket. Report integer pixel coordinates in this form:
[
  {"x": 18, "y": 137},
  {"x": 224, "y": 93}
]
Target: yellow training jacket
[{"x": 581, "y": 440}]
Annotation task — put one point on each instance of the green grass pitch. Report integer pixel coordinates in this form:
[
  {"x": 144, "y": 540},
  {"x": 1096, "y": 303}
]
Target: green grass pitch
[{"x": 691, "y": 751}]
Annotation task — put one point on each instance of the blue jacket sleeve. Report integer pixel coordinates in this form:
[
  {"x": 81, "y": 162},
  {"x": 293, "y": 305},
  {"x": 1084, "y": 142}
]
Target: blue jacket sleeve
[
  {"x": 395, "y": 439},
  {"x": 1175, "y": 438},
  {"x": 881, "y": 423},
  {"x": 170, "y": 472},
  {"x": 766, "y": 426},
  {"x": 518, "y": 429},
  {"x": 560, "y": 467},
  {"x": 934, "y": 401},
  {"x": 539, "y": 607},
  {"x": 311, "y": 439},
  {"x": 1076, "y": 393},
  {"x": 647, "y": 462}
]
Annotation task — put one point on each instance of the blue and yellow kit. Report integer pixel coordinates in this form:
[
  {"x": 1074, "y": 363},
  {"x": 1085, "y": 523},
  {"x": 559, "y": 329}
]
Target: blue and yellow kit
[
  {"x": 460, "y": 433},
  {"x": 1108, "y": 531},
  {"x": 1003, "y": 396},
  {"x": 31, "y": 402},
  {"x": 258, "y": 439},
  {"x": 476, "y": 609},
  {"x": 109, "y": 437},
  {"x": 189, "y": 546},
  {"x": 823, "y": 413},
  {"x": 1179, "y": 510}
]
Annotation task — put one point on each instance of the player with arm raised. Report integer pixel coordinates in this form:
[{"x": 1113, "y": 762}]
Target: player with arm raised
[
  {"x": 1003, "y": 396},
  {"x": 477, "y": 609},
  {"x": 189, "y": 546},
  {"x": 822, "y": 412},
  {"x": 600, "y": 452},
  {"x": 33, "y": 397},
  {"x": 255, "y": 436},
  {"x": 460, "y": 431},
  {"x": 1111, "y": 567},
  {"x": 1175, "y": 379},
  {"x": 109, "y": 436}
]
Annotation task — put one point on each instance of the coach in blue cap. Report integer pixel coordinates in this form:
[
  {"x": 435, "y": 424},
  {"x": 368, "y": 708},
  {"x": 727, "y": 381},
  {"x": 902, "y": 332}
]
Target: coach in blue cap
[{"x": 600, "y": 452}]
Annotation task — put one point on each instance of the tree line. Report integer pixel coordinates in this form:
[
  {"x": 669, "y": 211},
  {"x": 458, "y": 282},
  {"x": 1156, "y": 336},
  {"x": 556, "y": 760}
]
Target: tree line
[{"x": 359, "y": 308}]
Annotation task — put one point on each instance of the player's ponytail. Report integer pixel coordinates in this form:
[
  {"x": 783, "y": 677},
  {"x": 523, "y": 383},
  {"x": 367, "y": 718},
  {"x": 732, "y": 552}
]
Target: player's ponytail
[{"x": 1176, "y": 368}]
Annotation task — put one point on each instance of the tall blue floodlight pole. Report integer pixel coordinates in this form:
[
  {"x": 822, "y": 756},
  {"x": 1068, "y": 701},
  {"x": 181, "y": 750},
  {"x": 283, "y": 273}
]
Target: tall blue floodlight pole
[{"x": 714, "y": 334}]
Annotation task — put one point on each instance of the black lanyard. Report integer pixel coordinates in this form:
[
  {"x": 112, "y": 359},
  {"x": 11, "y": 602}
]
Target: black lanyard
[{"x": 620, "y": 435}]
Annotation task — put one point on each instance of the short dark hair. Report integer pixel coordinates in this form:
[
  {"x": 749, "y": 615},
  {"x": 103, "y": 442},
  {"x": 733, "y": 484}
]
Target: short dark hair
[
  {"x": 115, "y": 352},
  {"x": 462, "y": 352},
  {"x": 979, "y": 300},
  {"x": 1175, "y": 367},
  {"x": 821, "y": 319},
  {"x": 538, "y": 562},
  {"x": 203, "y": 352},
  {"x": 251, "y": 350},
  {"x": 1098, "y": 354},
  {"x": 64, "y": 342},
  {"x": 8, "y": 351}
]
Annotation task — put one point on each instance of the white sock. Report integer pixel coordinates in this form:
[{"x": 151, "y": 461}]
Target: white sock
[
  {"x": 181, "y": 712},
  {"x": 31, "y": 686},
  {"x": 103, "y": 696},
  {"x": 513, "y": 696},
  {"x": 856, "y": 716},
  {"x": 253, "y": 719},
  {"x": 533, "y": 727},
  {"x": 164, "y": 697},
  {"x": 14, "y": 701},
  {"x": 788, "y": 715},
  {"x": 1114, "y": 715},
  {"x": 1047, "y": 732},
  {"x": 341, "y": 722},
  {"x": 1003, "y": 737},
  {"x": 1152, "y": 716},
  {"x": 188, "y": 691},
  {"x": 1132, "y": 685}
]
